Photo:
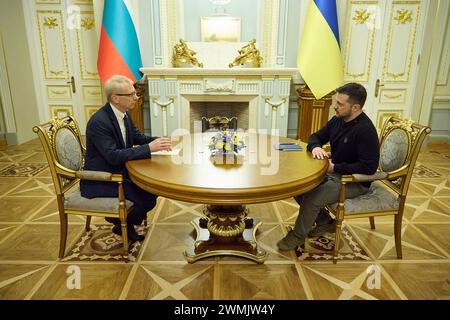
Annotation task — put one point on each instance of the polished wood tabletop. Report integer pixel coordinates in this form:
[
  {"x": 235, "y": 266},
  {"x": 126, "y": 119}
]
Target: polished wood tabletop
[{"x": 260, "y": 174}]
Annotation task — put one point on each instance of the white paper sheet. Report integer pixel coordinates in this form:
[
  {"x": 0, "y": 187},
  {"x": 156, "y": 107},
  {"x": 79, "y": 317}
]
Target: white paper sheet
[{"x": 173, "y": 152}]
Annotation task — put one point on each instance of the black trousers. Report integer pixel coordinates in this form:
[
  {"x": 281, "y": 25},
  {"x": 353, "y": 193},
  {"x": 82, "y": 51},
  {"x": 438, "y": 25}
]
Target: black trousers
[{"x": 143, "y": 201}]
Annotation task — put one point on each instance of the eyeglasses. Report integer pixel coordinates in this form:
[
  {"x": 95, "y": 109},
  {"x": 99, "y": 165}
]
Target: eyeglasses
[{"x": 132, "y": 94}]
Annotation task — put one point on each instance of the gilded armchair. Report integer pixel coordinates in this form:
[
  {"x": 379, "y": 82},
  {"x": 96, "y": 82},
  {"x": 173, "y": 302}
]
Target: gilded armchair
[
  {"x": 64, "y": 149},
  {"x": 400, "y": 143}
]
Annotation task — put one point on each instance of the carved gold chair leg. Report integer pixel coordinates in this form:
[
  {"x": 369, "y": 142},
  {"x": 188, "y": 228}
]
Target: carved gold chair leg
[
  {"x": 88, "y": 223},
  {"x": 63, "y": 234},
  {"x": 125, "y": 239},
  {"x": 372, "y": 223},
  {"x": 337, "y": 239},
  {"x": 398, "y": 234}
]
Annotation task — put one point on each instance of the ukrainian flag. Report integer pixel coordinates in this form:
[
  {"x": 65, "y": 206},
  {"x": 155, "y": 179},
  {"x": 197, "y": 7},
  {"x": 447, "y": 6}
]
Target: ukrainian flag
[
  {"x": 119, "y": 47},
  {"x": 319, "y": 59}
]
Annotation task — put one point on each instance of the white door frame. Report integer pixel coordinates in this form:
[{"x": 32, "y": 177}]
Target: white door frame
[
  {"x": 6, "y": 101},
  {"x": 437, "y": 17}
]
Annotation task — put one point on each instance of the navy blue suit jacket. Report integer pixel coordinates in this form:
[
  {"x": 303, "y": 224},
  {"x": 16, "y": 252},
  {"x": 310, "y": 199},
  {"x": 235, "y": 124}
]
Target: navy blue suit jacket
[{"x": 106, "y": 150}]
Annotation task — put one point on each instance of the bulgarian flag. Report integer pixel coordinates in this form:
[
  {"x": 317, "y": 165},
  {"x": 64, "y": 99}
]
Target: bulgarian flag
[{"x": 118, "y": 51}]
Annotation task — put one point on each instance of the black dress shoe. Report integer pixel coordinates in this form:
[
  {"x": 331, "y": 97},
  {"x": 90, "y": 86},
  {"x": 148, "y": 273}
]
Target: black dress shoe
[
  {"x": 133, "y": 236},
  {"x": 117, "y": 229},
  {"x": 113, "y": 220}
]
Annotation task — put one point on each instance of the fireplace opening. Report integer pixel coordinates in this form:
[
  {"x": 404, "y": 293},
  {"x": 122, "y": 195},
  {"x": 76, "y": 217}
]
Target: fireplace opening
[
  {"x": 219, "y": 123},
  {"x": 237, "y": 114}
]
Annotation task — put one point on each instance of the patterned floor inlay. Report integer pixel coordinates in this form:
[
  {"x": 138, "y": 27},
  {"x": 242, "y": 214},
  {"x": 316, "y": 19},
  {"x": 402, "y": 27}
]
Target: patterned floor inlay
[
  {"x": 100, "y": 244},
  {"x": 420, "y": 171},
  {"x": 321, "y": 248},
  {"x": 368, "y": 267},
  {"x": 22, "y": 170}
]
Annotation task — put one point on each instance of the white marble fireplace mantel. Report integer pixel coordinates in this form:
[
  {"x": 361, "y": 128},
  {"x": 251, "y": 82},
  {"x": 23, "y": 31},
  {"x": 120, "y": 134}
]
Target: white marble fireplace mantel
[
  {"x": 171, "y": 91},
  {"x": 229, "y": 72}
]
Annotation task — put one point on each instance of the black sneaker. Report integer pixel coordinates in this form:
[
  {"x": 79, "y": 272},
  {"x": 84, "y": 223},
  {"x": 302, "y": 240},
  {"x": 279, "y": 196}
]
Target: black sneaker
[
  {"x": 290, "y": 242},
  {"x": 322, "y": 229}
]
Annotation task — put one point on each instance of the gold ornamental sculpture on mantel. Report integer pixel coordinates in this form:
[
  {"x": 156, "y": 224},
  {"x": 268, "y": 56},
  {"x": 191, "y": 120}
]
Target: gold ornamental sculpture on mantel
[
  {"x": 183, "y": 57},
  {"x": 249, "y": 56}
]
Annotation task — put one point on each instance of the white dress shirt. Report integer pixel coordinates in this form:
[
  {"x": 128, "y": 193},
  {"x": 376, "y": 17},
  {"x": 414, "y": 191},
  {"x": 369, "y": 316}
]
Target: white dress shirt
[{"x": 120, "y": 119}]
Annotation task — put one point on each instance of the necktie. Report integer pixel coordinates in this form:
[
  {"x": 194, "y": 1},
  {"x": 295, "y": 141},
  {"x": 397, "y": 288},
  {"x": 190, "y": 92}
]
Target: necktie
[{"x": 125, "y": 138}]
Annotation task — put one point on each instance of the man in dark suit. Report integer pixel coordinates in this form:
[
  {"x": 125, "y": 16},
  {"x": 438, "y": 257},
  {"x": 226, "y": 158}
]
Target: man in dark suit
[{"x": 110, "y": 137}]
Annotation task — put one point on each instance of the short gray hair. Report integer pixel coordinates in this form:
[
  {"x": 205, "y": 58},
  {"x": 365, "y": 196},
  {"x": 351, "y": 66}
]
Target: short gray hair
[{"x": 115, "y": 84}]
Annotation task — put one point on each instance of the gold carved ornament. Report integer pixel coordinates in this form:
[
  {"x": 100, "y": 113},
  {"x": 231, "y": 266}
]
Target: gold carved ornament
[
  {"x": 249, "y": 56},
  {"x": 50, "y": 22},
  {"x": 58, "y": 92},
  {"x": 395, "y": 75},
  {"x": 361, "y": 16},
  {"x": 182, "y": 56},
  {"x": 403, "y": 16},
  {"x": 392, "y": 96},
  {"x": 87, "y": 23}
]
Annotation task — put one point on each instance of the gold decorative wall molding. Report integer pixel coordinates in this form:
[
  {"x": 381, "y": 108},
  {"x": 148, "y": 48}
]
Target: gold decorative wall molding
[
  {"x": 51, "y": 61},
  {"x": 60, "y": 111},
  {"x": 382, "y": 116},
  {"x": 397, "y": 76},
  {"x": 82, "y": 1},
  {"x": 357, "y": 12},
  {"x": 86, "y": 37},
  {"x": 393, "y": 96},
  {"x": 59, "y": 92},
  {"x": 48, "y": 2},
  {"x": 92, "y": 92},
  {"x": 355, "y": 75}
]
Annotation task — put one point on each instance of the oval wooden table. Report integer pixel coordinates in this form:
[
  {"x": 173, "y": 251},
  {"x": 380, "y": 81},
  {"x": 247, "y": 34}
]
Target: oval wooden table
[{"x": 261, "y": 174}]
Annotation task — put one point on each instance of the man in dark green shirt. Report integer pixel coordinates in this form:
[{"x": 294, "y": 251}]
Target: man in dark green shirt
[{"x": 354, "y": 149}]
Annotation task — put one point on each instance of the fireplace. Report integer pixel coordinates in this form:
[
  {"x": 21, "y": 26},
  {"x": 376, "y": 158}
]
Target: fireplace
[{"x": 257, "y": 97}]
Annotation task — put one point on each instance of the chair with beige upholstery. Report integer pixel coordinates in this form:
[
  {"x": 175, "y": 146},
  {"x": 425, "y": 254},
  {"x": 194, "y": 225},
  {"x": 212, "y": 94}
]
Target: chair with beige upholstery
[
  {"x": 400, "y": 143},
  {"x": 64, "y": 149}
]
